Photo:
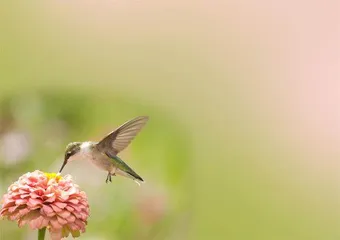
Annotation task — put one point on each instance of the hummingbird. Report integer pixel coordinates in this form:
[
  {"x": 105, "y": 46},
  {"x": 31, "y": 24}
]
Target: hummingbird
[{"x": 103, "y": 154}]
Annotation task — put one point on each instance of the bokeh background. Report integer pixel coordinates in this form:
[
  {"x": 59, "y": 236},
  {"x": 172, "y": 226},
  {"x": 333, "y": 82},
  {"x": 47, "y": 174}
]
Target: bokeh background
[{"x": 243, "y": 98}]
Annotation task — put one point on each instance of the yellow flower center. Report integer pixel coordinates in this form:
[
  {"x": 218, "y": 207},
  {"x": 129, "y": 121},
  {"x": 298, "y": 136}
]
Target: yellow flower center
[{"x": 53, "y": 175}]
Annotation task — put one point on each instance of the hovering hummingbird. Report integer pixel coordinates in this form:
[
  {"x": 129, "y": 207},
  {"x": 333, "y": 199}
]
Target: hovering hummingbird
[{"x": 103, "y": 154}]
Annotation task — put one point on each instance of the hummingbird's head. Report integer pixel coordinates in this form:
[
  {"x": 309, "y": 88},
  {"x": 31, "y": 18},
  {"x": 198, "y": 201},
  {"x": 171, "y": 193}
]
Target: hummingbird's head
[{"x": 71, "y": 149}]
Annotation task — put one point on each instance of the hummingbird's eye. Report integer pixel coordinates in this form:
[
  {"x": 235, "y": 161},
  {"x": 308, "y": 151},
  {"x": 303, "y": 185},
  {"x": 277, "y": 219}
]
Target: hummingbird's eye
[{"x": 68, "y": 154}]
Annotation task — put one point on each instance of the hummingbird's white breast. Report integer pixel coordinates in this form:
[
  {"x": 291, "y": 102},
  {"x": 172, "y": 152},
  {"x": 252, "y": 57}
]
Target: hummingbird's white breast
[
  {"x": 86, "y": 150},
  {"x": 85, "y": 146}
]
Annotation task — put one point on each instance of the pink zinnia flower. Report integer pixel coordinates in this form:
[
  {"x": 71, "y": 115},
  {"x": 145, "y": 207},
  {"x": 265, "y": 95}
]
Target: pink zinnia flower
[{"x": 47, "y": 200}]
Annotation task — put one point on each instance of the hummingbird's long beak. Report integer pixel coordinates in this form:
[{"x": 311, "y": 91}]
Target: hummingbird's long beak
[{"x": 62, "y": 167}]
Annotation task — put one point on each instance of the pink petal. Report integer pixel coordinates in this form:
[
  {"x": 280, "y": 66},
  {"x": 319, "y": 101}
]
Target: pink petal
[
  {"x": 8, "y": 204},
  {"x": 13, "y": 187},
  {"x": 23, "y": 191},
  {"x": 77, "y": 214},
  {"x": 52, "y": 214},
  {"x": 49, "y": 194},
  {"x": 47, "y": 209},
  {"x": 22, "y": 222},
  {"x": 13, "y": 208},
  {"x": 60, "y": 205},
  {"x": 71, "y": 218},
  {"x": 74, "y": 201},
  {"x": 32, "y": 202},
  {"x": 45, "y": 221},
  {"x": 69, "y": 208},
  {"x": 80, "y": 224},
  {"x": 32, "y": 179},
  {"x": 63, "y": 197},
  {"x": 62, "y": 221},
  {"x": 37, "y": 223},
  {"x": 51, "y": 199},
  {"x": 33, "y": 195},
  {"x": 64, "y": 214},
  {"x": 30, "y": 218},
  {"x": 39, "y": 191},
  {"x": 14, "y": 215},
  {"x": 73, "y": 226},
  {"x": 20, "y": 201},
  {"x": 56, "y": 234},
  {"x": 72, "y": 191},
  {"x": 76, "y": 207},
  {"x": 24, "y": 211},
  {"x": 24, "y": 195},
  {"x": 55, "y": 224},
  {"x": 55, "y": 208},
  {"x": 84, "y": 215},
  {"x": 3, "y": 211}
]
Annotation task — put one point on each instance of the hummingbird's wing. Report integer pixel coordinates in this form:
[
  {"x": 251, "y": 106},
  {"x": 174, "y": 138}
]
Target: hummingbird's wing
[{"x": 120, "y": 138}]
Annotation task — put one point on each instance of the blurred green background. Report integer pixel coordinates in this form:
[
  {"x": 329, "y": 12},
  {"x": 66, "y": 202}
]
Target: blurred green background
[{"x": 243, "y": 98}]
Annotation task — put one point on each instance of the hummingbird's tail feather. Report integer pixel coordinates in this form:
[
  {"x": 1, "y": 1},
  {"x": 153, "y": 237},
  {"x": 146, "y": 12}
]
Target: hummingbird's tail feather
[
  {"x": 124, "y": 170},
  {"x": 130, "y": 174}
]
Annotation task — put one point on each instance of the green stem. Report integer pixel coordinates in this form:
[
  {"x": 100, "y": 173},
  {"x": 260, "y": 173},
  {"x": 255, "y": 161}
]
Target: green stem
[{"x": 41, "y": 233}]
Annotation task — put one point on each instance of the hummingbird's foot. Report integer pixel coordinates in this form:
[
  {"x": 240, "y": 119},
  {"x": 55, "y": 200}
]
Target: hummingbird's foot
[{"x": 108, "y": 178}]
